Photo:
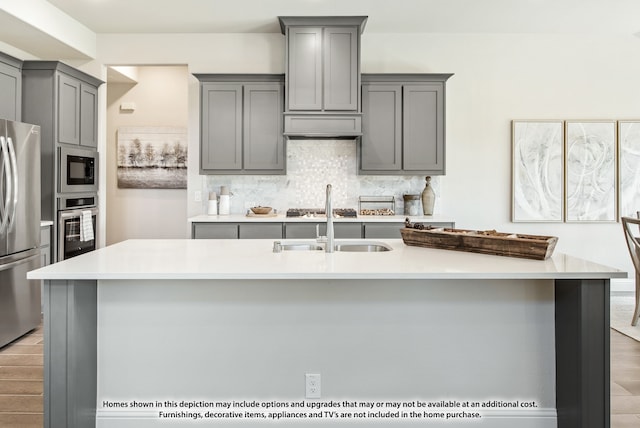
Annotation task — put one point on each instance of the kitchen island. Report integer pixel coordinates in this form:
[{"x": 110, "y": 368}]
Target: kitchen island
[{"x": 147, "y": 333}]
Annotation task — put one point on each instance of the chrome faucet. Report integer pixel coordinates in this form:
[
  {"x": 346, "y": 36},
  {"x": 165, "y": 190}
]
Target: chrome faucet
[{"x": 329, "y": 246}]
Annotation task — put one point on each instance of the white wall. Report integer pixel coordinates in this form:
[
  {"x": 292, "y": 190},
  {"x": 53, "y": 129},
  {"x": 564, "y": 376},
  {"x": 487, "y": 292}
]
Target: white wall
[
  {"x": 497, "y": 78},
  {"x": 161, "y": 98}
]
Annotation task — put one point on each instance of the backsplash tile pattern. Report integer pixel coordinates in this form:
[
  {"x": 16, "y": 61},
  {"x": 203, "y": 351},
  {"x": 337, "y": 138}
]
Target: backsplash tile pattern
[{"x": 311, "y": 165}]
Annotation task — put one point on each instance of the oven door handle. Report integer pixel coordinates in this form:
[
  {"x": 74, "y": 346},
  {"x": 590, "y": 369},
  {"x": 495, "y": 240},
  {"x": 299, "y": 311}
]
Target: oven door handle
[
  {"x": 14, "y": 175},
  {"x": 4, "y": 151}
]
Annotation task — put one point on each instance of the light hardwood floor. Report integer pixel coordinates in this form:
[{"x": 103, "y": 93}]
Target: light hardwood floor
[
  {"x": 21, "y": 382},
  {"x": 21, "y": 374}
]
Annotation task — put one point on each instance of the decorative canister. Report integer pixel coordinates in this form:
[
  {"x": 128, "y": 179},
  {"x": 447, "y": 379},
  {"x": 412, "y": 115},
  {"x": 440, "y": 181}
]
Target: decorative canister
[
  {"x": 428, "y": 198},
  {"x": 411, "y": 204},
  {"x": 224, "y": 207}
]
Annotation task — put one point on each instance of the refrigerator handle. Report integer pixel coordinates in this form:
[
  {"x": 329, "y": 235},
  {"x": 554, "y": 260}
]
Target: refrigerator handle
[
  {"x": 14, "y": 187},
  {"x": 7, "y": 197}
]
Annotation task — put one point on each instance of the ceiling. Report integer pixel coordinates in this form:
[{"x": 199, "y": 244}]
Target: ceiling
[
  {"x": 68, "y": 29},
  {"x": 385, "y": 16}
]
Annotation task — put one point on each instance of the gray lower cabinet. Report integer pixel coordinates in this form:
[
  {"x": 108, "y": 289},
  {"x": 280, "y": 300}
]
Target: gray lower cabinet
[
  {"x": 392, "y": 230},
  {"x": 214, "y": 230},
  {"x": 10, "y": 88},
  {"x": 296, "y": 230},
  {"x": 45, "y": 245},
  {"x": 236, "y": 231},
  {"x": 403, "y": 130},
  {"x": 308, "y": 230},
  {"x": 241, "y": 124},
  {"x": 260, "y": 231}
]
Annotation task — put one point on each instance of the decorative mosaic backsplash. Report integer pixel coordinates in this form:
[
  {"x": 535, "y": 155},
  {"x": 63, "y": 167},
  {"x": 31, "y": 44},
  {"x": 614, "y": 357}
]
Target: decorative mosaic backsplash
[{"x": 311, "y": 165}]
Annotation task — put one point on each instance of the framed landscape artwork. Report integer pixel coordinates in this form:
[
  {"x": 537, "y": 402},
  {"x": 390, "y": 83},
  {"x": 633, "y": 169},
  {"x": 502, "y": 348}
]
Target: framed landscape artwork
[
  {"x": 629, "y": 164},
  {"x": 537, "y": 174},
  {"x": 591, "y": 191},
  {"x": 152, "y": 158}
]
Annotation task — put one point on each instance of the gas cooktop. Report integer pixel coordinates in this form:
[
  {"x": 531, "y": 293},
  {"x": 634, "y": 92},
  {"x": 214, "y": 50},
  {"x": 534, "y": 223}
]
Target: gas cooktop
[{"x": 320, "y": 212}]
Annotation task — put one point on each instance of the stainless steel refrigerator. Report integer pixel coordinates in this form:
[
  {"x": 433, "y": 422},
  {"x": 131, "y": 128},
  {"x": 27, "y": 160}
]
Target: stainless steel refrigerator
[{"x": 19, "y": 228}]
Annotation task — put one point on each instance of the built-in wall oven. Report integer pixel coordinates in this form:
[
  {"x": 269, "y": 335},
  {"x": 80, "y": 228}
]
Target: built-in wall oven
[
  {"x": 77, "y": 221},
  {"x": 78, "y": 170}
]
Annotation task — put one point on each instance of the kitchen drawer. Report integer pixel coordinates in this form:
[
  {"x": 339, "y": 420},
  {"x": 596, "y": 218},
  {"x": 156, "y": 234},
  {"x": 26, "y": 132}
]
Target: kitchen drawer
[
  {"x": 382, "y": 230},
  {"x": 308, "y": 230},
  {"x": 260, "y": 231},
  {"x": 214, "y": 230}
]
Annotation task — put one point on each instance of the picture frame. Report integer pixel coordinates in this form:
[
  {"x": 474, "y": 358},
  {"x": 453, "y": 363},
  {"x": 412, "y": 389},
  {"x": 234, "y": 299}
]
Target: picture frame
[
  {"x": 591, "y": 171},
  {"x": 629, "y": 167},
  {"x": 152, "y": 157},
  {"x": 537, "y": 170}
]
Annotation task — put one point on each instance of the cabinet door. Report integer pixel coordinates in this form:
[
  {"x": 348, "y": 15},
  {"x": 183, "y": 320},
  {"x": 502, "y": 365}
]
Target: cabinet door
[
  {"x": 381, "y": 144},
  {"x": 263, "y": 140},
  {"x": 423, "y": 128},
  {"x": 308, "y": 230},
  {"x": 305, "y": 68},
  {"x": 383, "y": 230},
  {"x": 11, "y": 90},
  {"x": 260, "y": 230},
  {"x": 88, "y": 115},
  {"x": 68, "y": 110},
  {"x": 214, "y": 231},
  {"x": 221, "y": 122},
  {"x": 340, "y": 54}
]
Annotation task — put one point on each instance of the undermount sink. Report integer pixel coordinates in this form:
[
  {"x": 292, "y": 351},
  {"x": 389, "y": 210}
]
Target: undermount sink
[
  {"x": 300, "y": 247},
  {"x": 346, "y": 246},
  {"x": 367, "y": 248}
]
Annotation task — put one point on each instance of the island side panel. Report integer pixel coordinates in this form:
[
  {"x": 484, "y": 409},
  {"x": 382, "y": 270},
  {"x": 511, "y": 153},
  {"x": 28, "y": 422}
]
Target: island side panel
[
  {"x": 582, "y": 353},
  {"x": 70, "y": 354},
  {"x": 369, "y": 339}
]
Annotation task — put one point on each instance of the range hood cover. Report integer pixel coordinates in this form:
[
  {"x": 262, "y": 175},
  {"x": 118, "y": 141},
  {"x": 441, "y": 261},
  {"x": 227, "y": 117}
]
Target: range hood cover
[{"x": 322, "y": 125}]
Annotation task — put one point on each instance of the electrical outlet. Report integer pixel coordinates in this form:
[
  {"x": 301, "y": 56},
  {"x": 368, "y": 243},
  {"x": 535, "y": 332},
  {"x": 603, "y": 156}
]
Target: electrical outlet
[
  {"x": 312, "y": 385},
  {"x": 197, "y": 196}
]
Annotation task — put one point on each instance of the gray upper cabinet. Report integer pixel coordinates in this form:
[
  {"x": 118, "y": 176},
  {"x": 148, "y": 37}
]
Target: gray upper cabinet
[
  {"x": 322, "y": 76},
  {"x": 304, "y": 71},
  {"x": 323, "y": 68},
  {"x": 88, "y": 115},
  {"x": 263, "y": 141},
  {"x": 63, "y": 100},
  {"x": 341, "y": 69},
  {"x": 68, "y": 110},
  {"x": 241, "y": 124},
  {"x": 10, "y": 88},
  {"x": 403, "y": 124}
]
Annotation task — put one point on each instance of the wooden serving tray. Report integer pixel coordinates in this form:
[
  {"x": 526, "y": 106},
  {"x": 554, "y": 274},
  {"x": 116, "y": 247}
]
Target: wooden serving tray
[{"x": 485, "y": 242}]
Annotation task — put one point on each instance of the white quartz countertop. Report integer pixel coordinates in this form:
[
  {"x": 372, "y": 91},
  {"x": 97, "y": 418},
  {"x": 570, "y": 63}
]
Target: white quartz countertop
[
  {"x": 254, "y": 259},
  {"x": 281, "y": 218}
]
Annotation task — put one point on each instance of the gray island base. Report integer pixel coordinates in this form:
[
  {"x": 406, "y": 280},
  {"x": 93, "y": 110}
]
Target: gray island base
[{"x": 150, "y": 333}]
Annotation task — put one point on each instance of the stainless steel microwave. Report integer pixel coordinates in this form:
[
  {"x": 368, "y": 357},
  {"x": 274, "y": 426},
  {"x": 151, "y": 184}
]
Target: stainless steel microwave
[{"x": 78, "y": 170}]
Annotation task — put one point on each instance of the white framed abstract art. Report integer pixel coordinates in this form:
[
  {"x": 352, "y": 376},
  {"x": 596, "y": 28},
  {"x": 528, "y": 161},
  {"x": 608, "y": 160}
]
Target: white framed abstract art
[
  {"x": 537, "y": 175},
  {"x": 591, "y": 171},
  {"x": 629, "y": 166}
]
